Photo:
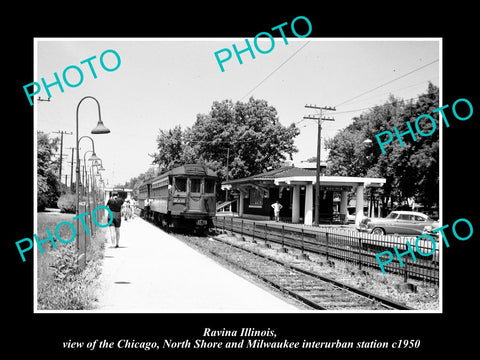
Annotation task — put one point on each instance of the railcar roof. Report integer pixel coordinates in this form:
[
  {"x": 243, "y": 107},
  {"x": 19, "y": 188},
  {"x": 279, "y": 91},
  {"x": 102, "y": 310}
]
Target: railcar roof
[{"x": 187, "y": 169}]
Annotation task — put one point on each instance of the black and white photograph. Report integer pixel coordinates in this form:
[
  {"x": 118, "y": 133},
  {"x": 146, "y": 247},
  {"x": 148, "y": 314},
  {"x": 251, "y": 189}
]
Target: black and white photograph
[
  {"x": 267, "y": 189},
  {"x": 214, "y": 189}
]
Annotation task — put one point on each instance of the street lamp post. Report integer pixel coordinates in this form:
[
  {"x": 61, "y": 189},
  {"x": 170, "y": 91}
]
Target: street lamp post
[
  {"x": 99, "y": 129},
  {"x": 88, "y": 186},
  {"x": 86, "y": 182},
  {"x": 99, "y": 166}
]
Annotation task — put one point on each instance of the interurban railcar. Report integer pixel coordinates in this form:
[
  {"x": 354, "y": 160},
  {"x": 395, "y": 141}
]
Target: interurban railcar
[{"x": 183, "y": 197}]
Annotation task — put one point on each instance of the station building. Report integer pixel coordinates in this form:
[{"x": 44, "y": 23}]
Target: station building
[
  {"x": 122, "y": 192},
  {"x": 294, "y": 188}
]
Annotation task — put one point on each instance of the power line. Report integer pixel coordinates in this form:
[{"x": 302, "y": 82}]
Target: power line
[
  {"x": 368, "y": 107},
  {"x": 397, "y": 89},
  {"x": 283, "y": 63},
  {"x": 61, "y": 132},
  {"x": 386, "y": 103},
  {"x": 388, "y": 82}
]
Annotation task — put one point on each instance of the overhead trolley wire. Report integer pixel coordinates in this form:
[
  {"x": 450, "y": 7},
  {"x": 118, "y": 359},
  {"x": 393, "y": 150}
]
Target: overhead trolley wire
[
  {"x": 276, "y": 69},
  {"x": 388, "y": 82}
]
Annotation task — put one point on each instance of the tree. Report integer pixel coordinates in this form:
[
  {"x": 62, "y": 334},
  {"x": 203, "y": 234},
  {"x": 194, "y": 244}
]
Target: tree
[
  {"x": 172, "y": 147},
  {"x": 410, "y": 170},
  {"x": 48, "y": 188},
  {"x": 135, "y": 182},
  {"x": 250, "y": 134}
]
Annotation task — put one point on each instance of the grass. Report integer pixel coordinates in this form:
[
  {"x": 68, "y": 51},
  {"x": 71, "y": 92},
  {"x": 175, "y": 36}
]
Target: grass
[{"x": 61, "y": 285}]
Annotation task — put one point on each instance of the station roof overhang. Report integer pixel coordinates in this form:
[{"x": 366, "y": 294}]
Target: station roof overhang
[
  {"x": 293, "y": 177},
  {"x": 351, "y": 181}
]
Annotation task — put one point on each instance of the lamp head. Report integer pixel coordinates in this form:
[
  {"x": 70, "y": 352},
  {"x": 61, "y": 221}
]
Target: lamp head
[
  {"x": 100, "y": 128},
  {"x": 94, "y": 157}
]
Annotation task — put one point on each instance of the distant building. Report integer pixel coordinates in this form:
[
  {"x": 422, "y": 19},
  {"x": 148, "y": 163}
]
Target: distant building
[{"x": 125, "y": 193}]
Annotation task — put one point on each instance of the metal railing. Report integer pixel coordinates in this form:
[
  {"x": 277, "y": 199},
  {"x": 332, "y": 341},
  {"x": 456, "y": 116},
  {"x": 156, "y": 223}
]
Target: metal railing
[{"x": 341, "y": 244}]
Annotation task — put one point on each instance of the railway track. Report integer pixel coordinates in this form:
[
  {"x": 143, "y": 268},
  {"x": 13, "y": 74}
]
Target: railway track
[
  {"x": 359, "y": 249},
  {"x": 313, "y": 290}
]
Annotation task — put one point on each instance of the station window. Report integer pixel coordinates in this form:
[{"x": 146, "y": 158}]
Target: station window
[
  {"x": 256, "y": 198},
  {"x": 209, "y": 186},
  {"x": 180, "y": 184},
  {"x": 195, "y": 185}
]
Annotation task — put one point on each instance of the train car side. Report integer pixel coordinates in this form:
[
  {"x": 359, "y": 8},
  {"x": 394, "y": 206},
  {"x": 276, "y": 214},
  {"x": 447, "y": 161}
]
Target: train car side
[{"x": 183, "y": 197}]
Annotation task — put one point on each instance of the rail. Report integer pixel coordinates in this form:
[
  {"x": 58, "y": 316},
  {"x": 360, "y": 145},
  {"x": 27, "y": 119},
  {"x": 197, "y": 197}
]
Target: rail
[{"x": 341, "y": 244}]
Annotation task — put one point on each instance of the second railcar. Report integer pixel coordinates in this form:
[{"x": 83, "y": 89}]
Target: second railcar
[{"x": 183, "y": 197}]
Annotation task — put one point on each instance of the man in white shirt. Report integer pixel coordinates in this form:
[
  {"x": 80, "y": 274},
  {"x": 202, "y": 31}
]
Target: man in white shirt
[{"x": 276, "y": 210}]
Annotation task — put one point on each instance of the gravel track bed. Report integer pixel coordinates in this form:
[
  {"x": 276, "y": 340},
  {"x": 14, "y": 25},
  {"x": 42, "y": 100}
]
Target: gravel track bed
[{"x": 327, "y": 295}]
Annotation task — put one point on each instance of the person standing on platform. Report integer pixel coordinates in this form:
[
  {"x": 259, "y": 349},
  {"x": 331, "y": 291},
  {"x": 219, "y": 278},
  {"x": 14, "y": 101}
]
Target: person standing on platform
[
  {"x": 127, "y": 209},
  {"x": 147, "y": 208},
  {"x": 276, "y": 210},
  {"x": 132, "y": 208},
  {"x": 115, "y": 205}
]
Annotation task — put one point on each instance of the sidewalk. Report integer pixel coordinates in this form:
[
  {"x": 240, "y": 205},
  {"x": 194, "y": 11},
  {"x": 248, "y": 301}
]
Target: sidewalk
[{"x": 152, "y": 271}]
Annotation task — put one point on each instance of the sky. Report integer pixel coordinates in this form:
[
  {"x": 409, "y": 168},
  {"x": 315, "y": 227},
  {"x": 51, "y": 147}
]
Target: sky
[{"x": 161, "y": 83}]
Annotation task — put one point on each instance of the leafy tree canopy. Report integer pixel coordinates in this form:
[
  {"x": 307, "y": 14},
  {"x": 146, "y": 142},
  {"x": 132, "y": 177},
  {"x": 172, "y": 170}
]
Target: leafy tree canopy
[
  {"x": 249, "y": 133},
  {"x": 411, "y": 170},
  {"x": 48, "y": 188}
]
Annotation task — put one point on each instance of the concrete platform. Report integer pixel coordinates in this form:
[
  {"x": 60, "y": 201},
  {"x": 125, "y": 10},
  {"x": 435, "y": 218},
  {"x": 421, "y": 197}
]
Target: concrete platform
[{"x": 153, "y": 272}]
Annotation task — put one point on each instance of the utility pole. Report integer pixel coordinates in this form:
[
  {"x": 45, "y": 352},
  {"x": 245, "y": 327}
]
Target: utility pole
[
  {"x": 61, "y": 152},
  {"x": 319, "y": 119},
  {"x": 71, "y": 170}
]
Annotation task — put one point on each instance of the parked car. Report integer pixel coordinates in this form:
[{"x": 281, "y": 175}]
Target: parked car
[
  {"x": 399, "y": 222},
  {"x": 352, "y": 214}
]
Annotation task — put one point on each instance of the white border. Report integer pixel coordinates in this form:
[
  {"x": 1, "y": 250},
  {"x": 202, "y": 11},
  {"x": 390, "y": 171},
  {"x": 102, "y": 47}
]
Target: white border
[{"x": 183, "y": 311}]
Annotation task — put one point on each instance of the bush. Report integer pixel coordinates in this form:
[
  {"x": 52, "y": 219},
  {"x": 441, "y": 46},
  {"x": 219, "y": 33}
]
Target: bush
[
  {"x": 67, "y": 203},
  {"x": 69, "y": 287},
  {"x": 65, "y": 265}
]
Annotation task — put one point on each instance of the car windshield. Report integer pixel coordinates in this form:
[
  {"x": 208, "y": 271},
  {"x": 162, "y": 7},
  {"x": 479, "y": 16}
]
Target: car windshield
[
  {"x": 195, "y": 185},
  {"x": 180, "y": 184},
  {"x": 392, "y": 215}
]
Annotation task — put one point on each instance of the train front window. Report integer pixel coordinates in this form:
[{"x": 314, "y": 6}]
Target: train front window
[
  {"x": 195, "y": 185},
  {"x": 209, "y": 186},
  {"x": 180, "y": 184}
]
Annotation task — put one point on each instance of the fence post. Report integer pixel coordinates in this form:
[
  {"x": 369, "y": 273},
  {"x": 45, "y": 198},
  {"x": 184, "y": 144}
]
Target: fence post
[
  {"x": 241, "y": 230},
  {"x": 359, "y": 253},
  {"x": 302, "y": 240},
  {"x": 231, "y": 224},
  {"x": 253, "y": 233},
  {"x": 303, "y": 255},
  {"x": 267, "y": 245},
  {"x": 326, "y": 235},
  {"x": 224, "y": 224}
]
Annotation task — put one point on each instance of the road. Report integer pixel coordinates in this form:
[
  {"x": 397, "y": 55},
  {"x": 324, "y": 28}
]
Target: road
[{"x": 152, "y": 271}]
